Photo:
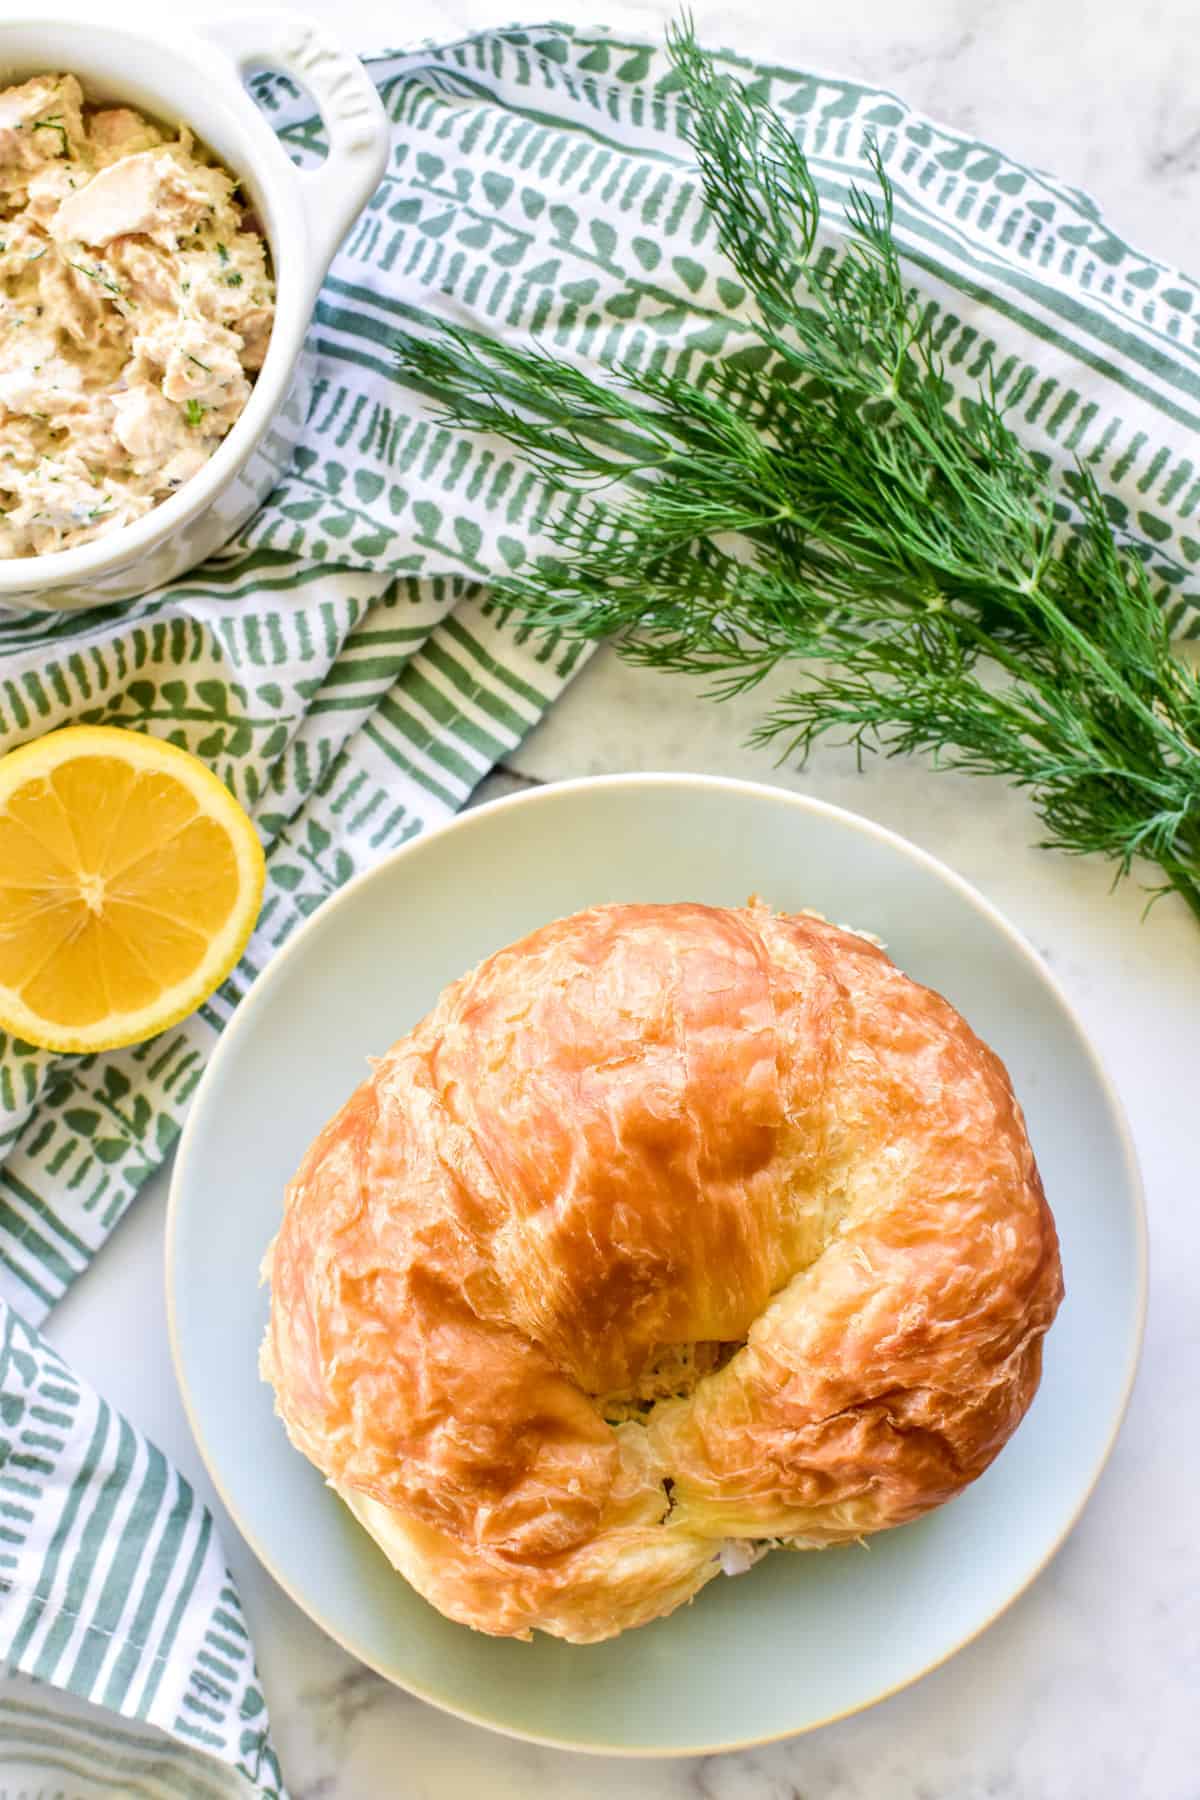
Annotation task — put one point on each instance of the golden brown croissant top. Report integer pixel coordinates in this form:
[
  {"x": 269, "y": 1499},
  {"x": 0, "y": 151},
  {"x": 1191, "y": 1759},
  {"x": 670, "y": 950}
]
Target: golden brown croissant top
[{"x": 671, "y": 1230}]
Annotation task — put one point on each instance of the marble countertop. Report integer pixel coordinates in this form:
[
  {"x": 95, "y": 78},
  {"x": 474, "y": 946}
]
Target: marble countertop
[{"x": 1087, "y": 1687}]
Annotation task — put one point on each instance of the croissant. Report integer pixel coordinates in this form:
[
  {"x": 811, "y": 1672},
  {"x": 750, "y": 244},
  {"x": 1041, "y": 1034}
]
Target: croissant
[{"x": 672, "y": 1235}]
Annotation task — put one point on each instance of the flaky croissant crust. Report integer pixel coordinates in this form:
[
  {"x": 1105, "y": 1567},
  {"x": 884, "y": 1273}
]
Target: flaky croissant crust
[{"x": 672, "y": 1231}]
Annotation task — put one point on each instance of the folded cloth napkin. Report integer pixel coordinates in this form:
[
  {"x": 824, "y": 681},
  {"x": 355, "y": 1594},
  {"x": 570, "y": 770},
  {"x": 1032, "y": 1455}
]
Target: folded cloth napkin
[
  {"x": 340, "y": 667},
  {"x": 112, "y": 1585}
]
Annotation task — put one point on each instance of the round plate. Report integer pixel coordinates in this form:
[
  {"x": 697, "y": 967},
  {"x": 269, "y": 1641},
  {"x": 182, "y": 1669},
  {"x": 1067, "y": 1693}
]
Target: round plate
[{"x": 801, "y": 1639}]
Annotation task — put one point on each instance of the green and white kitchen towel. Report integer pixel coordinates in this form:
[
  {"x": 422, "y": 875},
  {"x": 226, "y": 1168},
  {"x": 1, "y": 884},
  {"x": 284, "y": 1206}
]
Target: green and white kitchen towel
[{"x": 341, "y": 669}]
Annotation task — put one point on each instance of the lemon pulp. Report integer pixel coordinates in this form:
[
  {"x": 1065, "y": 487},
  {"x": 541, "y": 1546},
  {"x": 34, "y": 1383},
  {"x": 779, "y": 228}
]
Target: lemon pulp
[{"x": 130, "y": 879}]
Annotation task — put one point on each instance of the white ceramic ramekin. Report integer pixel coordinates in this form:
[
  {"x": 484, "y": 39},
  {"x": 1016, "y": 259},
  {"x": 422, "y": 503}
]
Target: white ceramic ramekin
[{"x": 193, "y": 74}]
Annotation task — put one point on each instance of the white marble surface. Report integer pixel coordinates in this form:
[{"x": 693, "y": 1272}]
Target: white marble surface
[{"x": 1087, "y": 1688}]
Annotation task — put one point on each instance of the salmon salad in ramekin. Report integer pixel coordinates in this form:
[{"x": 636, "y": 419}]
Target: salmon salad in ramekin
[{"x": 136, "y": 301}]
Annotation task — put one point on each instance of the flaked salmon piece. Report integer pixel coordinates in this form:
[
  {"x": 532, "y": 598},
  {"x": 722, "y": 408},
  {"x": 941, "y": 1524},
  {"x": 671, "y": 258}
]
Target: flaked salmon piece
[
  {"x": 117, "y": 131},
  {"x": 40, "y": 123},
  {"x": 153, "y": 193}
]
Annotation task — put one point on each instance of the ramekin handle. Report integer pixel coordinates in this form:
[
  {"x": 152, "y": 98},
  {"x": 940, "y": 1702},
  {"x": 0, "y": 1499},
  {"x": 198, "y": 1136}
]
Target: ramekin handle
[{"x": 355, "y": 123}]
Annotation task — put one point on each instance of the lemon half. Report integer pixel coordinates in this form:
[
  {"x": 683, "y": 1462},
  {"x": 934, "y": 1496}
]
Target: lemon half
[{"x": 130, "y": 880}]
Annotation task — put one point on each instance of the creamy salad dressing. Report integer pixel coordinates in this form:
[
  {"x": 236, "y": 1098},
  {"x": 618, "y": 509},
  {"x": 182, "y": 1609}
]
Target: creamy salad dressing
[{"x": 135, "y": 306}]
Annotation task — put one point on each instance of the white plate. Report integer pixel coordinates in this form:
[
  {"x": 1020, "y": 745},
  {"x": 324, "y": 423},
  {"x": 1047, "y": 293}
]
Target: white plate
[{"x": 801, "y": 1639}]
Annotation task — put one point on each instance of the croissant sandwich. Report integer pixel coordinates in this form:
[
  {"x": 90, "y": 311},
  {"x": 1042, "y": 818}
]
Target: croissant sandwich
[{"x": 672, "y": 1235}]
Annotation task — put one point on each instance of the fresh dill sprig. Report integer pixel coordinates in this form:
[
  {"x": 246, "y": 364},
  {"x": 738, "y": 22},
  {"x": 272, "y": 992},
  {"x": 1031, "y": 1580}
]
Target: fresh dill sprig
[{"x": 946, "y": 595}]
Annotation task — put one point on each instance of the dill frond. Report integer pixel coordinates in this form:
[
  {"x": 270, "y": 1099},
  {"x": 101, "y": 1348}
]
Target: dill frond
[{"x": 833, "y": 510}]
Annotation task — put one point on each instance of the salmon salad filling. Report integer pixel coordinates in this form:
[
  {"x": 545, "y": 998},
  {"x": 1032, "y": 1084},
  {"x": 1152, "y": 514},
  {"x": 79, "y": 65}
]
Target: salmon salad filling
[{"x": 136, "y": 302}]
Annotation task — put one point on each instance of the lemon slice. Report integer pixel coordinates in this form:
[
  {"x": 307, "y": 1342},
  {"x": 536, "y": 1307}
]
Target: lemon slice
[{"x": 130, "y": 880}]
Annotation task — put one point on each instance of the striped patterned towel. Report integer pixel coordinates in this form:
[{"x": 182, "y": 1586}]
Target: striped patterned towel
[{"x": 340, "y": 668}]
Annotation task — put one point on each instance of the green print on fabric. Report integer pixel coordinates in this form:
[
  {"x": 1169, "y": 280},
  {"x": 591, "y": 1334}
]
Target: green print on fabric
[{"x": 99, "y": 1611}]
